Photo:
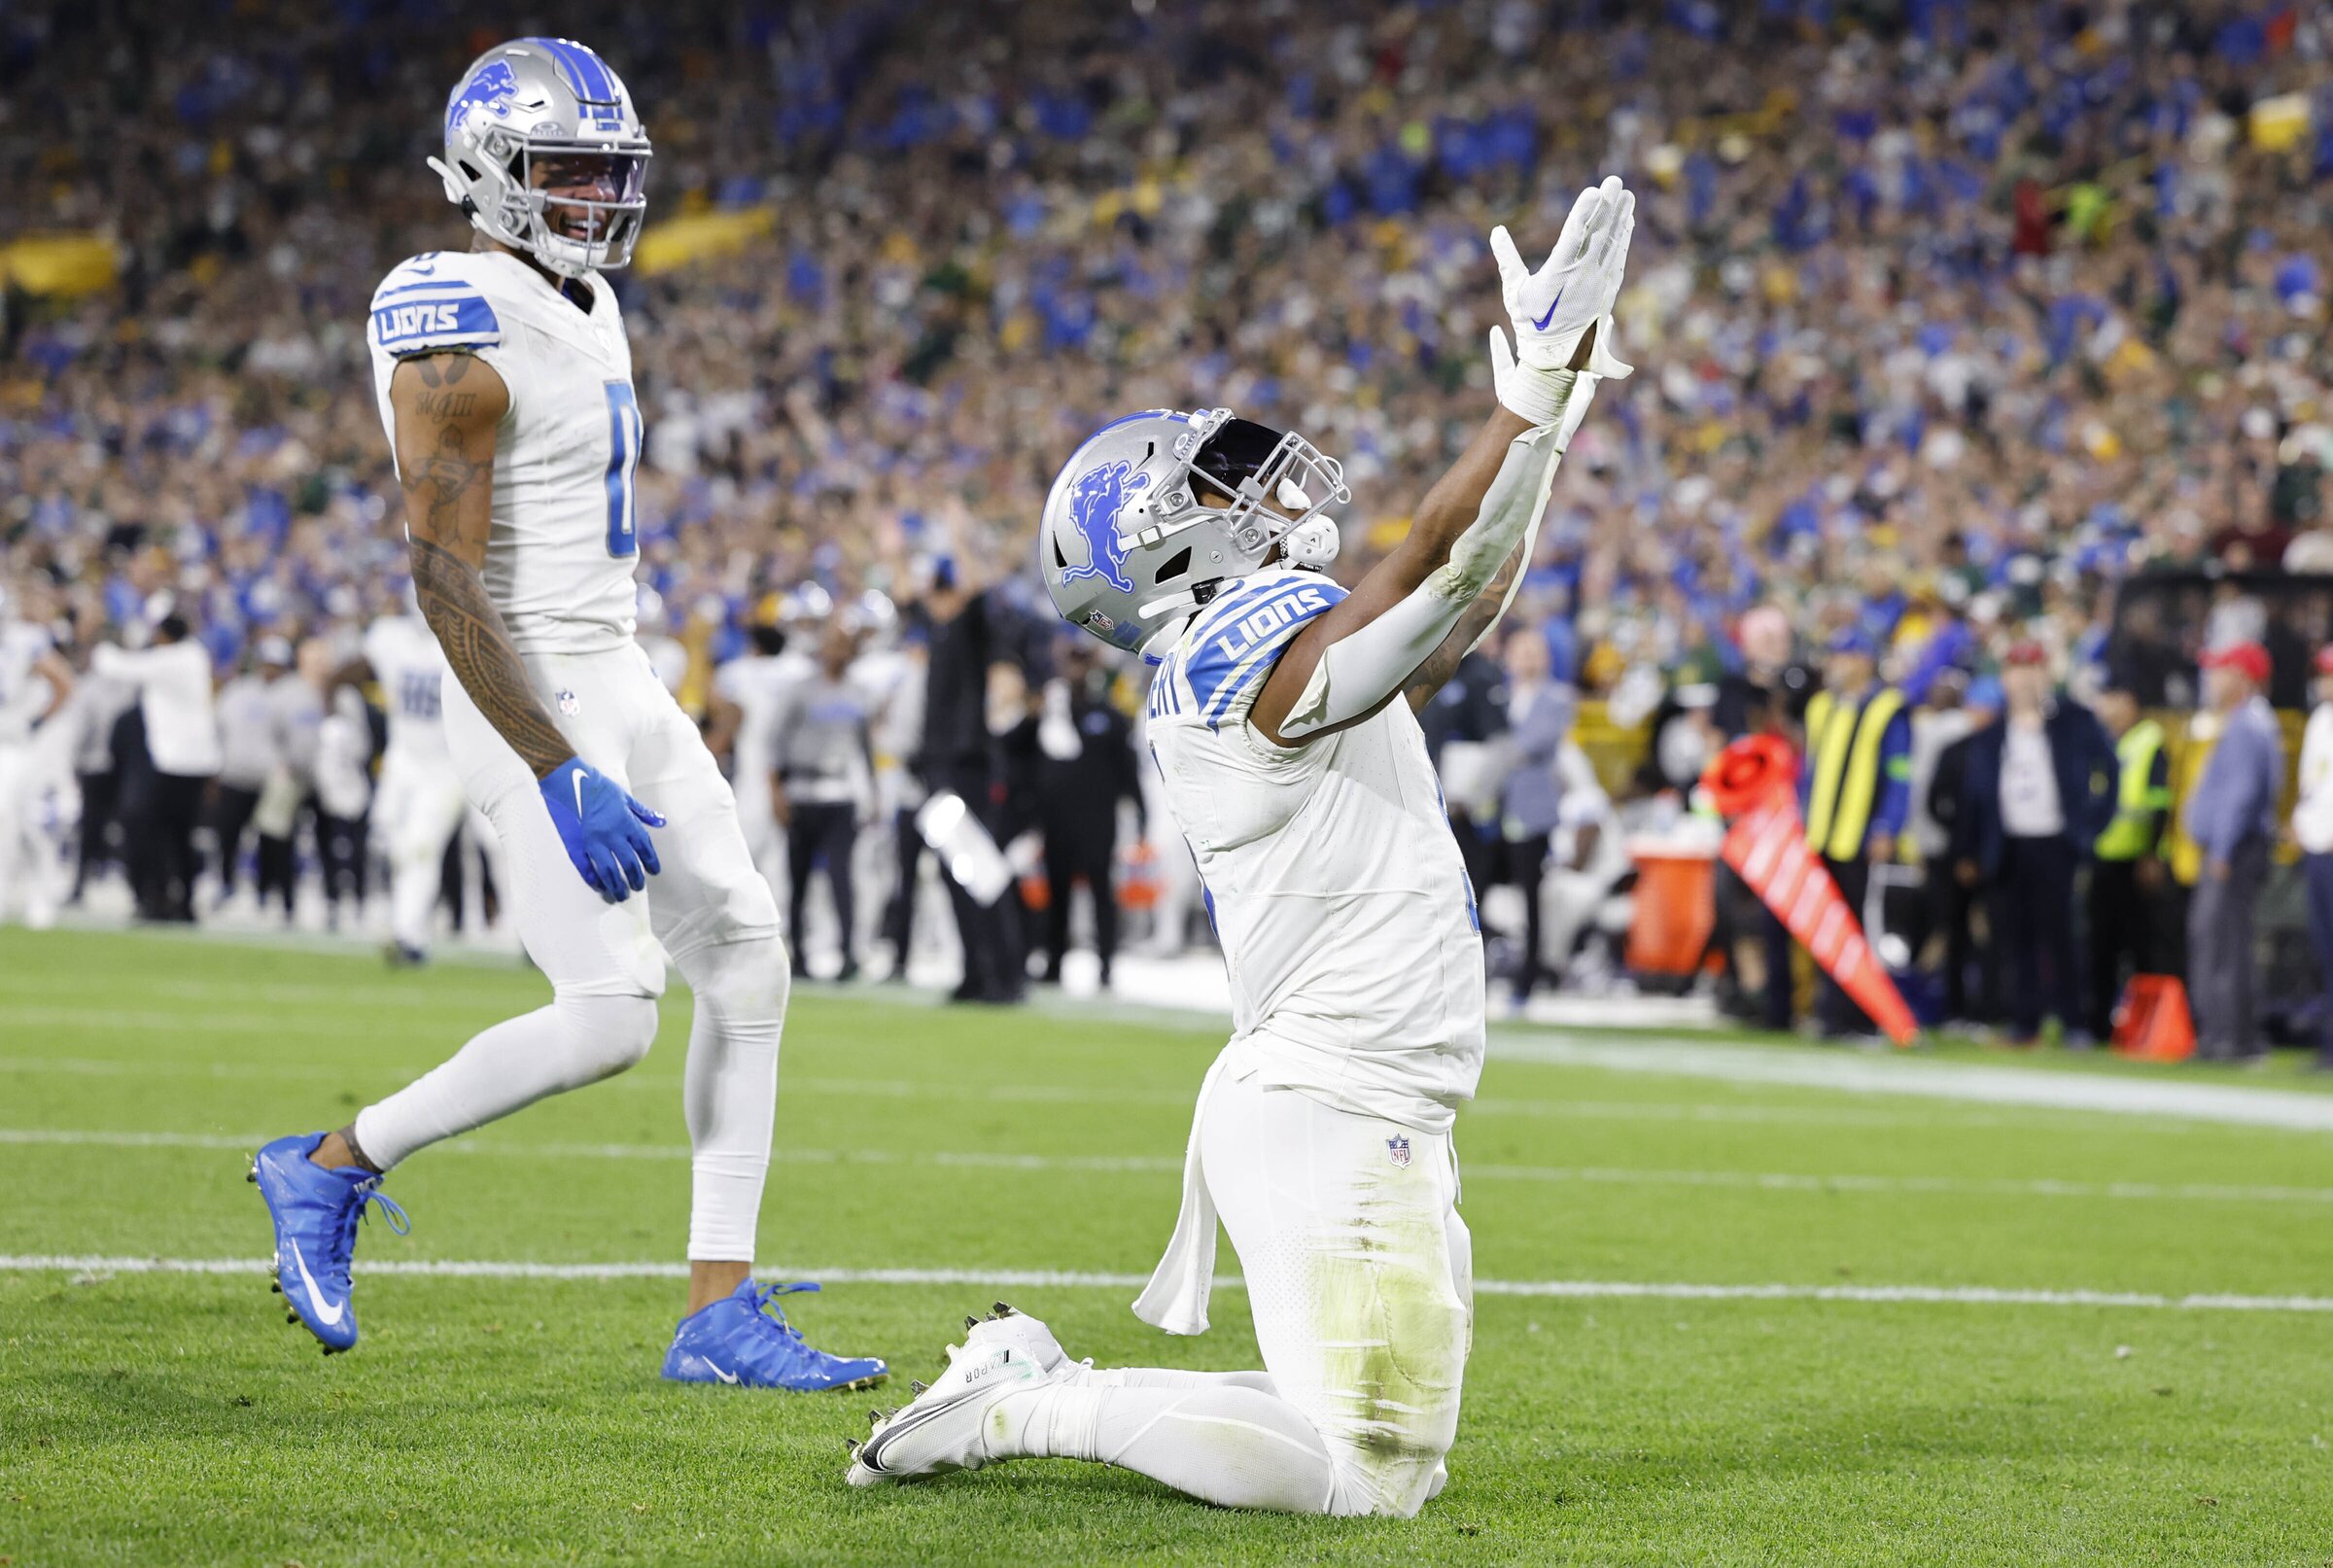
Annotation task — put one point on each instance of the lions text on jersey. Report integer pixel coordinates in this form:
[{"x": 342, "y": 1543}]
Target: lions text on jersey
[
  {"x": 566, "y": 535},
  {"x": 1348, "y": 928}
]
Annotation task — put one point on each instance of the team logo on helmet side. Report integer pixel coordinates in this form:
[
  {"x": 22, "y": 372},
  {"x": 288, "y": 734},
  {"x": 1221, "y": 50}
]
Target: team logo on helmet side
[
  {"x": 491, "y": 89},
  {"x": 1096, "y": 499}
]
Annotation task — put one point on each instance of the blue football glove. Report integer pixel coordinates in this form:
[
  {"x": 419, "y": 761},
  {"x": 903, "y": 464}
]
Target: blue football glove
[{"x": 606, "y": 830}]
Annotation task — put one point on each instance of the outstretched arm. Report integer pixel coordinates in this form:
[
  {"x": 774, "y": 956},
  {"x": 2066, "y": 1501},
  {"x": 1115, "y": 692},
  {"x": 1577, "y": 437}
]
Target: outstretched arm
[
  {"x": 448, "y": 407},
  {"x": 1416, "y": 614}
]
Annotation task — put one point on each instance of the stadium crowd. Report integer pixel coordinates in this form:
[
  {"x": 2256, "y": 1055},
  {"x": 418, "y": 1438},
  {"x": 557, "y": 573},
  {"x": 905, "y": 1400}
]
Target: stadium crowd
[{"x": 1951, "y": 317}]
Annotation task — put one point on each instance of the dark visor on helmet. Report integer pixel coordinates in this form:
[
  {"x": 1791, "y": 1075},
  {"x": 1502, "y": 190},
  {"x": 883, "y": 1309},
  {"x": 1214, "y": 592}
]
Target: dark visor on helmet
[{"x": 1237, "y": 451}]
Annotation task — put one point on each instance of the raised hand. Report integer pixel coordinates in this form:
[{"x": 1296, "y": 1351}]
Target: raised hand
[{"x": 1556, "y": 307}]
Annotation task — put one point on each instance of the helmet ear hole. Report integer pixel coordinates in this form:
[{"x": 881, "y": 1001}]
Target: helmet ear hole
[{"x": 1174, "y": 566}]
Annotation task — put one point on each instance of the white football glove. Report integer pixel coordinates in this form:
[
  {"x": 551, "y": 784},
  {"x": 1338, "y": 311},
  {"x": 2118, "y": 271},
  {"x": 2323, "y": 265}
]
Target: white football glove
[{"x": 1551, "y": 308}]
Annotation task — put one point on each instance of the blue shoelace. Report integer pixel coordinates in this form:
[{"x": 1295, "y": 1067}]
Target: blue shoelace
[
  {"x": 772, "y": 1317},
  {"x": 363, "y": 1193}
]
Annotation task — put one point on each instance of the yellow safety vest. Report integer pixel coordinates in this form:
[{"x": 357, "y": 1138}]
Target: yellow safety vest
[
  {"x": 2127, "y": 837},
  {"x": 1844, "y": 738}
]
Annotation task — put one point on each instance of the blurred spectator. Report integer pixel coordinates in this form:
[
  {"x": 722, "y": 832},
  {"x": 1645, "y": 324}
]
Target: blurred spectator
[
  {"x": 294, "y": 718},
  {"x": 1537, "y": 721},
  {"x": 2312, "y": 830},
  {"x": 2231, "y": 815},
  {"x": 1086, "y": 766},
  {"x": 181, "y": 738},
  {"x": 1957, "y": 885},
  {"x": 2128, "y": 934},
  {"x": 957, "y": 755},
  {"x": 35, "y": 685},
  {"x": 2033, "y": 794},
  {"x": 247, "y": 754},
  {"x": 1463, "y": 722},
  {"x": 1766, "y": 696},
  {"x": 825, "y": 787},
  {"x": 1855, "y": 787},
  {"x": 97, "y": 706},
  {"x": 343, "y": 800}
]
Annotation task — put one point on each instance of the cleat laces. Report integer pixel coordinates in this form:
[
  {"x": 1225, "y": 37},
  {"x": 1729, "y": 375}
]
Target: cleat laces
[{"x": 344, "y": 1248}]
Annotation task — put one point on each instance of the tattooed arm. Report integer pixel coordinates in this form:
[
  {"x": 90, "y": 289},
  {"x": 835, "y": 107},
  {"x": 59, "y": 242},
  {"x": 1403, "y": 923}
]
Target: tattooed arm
[{"x": 448, "y": 408}]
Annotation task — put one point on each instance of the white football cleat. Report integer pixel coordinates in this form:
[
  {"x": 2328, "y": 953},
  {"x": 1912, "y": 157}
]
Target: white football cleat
[
  {"x": 945, "y": 1427},
  {"x": 1025, "y": 1335}
]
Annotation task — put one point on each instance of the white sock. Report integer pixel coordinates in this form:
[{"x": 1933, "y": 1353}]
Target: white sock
[
  {"x": 1231, "y": 1445},
  {"x": 730, "y": 1089},
  {"x": 575, "y": 1041}
]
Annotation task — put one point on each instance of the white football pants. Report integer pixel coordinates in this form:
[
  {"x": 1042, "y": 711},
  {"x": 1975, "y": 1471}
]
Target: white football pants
[
  {"x": 417, "y": 810},
  {"x": 707, "y": 910},
  {"x": 1360, "y": 1275}
]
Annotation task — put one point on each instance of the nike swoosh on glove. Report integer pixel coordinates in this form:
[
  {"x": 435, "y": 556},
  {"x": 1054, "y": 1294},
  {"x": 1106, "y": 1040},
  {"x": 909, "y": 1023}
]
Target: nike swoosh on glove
[
  {"x": 603, "y": 828},
  {"x": 1575, "y": 288}
]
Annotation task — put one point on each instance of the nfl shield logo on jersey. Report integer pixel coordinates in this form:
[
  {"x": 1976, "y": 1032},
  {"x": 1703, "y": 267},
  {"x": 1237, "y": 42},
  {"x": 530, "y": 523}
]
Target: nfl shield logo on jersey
[
  {"x": 1398, "y": 1151},
  {"x": 567, "y": 702}
]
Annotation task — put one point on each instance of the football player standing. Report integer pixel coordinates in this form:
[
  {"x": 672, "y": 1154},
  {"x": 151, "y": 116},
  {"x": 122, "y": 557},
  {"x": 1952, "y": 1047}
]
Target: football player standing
[{"x": 505, "y": 383}]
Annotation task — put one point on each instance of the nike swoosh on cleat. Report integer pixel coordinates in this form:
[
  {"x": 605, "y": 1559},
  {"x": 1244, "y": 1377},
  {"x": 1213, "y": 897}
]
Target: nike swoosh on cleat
[
  {"x": 328, "y": 1311},
  {"x": 726, "y": 1376},
  {"x": 1542, "y": 323}
]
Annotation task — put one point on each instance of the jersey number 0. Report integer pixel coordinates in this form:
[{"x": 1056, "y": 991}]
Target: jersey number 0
[{"x": 625, "y": 436}]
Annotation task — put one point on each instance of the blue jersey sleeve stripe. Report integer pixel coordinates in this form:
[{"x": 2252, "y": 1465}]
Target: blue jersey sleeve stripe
[
  {"x": 412, "y": 325},
  {"x": 429, "y": 286},
  {"x": 1220, "y": 672}
]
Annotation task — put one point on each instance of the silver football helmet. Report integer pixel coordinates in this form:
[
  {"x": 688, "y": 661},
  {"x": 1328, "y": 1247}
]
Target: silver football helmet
[
  {"x": 1130, "y": 545},
  {"x": 532, "y": 101}
]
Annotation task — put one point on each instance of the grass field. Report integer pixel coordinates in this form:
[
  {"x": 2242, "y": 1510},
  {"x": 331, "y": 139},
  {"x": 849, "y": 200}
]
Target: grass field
[{"x": 172, "y": 1417}]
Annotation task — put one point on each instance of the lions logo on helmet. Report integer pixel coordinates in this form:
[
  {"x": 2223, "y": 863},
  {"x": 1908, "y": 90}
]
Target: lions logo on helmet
[
  {"x": 491, "y": 89},
  {"x": 1096, "y": 500},
  {"x": 1155, "y": 509}
]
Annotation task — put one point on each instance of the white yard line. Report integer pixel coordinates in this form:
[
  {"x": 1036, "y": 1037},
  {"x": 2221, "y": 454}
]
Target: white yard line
[
  {"x": 1034, "y": 1279},
  {"x": 1856, "y": 1072},
  {"x": 1161, "y": 1165},
  {"x": 1043, "y": 1094}
]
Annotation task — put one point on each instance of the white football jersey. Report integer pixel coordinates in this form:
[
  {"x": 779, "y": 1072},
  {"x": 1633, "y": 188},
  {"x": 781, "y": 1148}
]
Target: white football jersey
[
  {"x": 566, "y": 535},
  {"x": 23, "y": 693},
  {"x": 411, "y": 670},
  {"x": 759, "y": 684},
  {"x": 1330, "y": 871}
]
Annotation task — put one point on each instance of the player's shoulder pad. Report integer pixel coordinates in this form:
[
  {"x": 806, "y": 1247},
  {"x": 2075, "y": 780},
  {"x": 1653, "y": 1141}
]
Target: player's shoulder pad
[
  {"x": 1230, "y": 645},
  {"x": 439, "y": 299}
]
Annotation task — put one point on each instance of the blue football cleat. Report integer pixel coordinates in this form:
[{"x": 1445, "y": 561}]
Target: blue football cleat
[
  {"x": 316, "y": 1212},
  {"x": 743, "y": 1339}
]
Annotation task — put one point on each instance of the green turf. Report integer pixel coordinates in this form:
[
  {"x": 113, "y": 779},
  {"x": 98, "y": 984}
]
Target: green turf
[{"x": 151, "y": 1419}]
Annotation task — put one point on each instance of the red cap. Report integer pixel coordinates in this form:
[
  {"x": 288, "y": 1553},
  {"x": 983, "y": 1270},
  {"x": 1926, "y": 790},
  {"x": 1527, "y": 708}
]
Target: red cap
[
  {"x": 2324, "y": 659},
  {"x": 2250, "y": 658},
  {"x": 2025, "y": 650}
]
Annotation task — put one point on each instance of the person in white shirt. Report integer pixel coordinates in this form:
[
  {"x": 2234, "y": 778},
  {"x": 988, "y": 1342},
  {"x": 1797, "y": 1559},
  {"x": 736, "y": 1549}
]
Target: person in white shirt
[
  {"x": 247, "y": 754},
  {"x": 173, "y": 677},
  {"x": 750, "y": 692},
  {"x": 2312, "y": 830},
  {"x": 34, "y": 684}
]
